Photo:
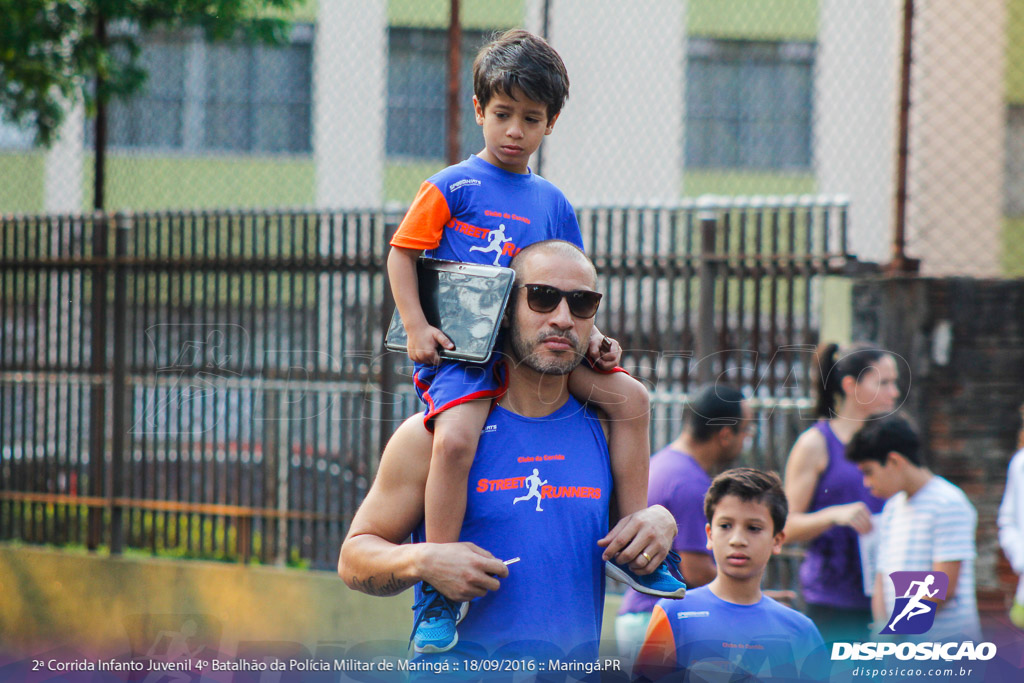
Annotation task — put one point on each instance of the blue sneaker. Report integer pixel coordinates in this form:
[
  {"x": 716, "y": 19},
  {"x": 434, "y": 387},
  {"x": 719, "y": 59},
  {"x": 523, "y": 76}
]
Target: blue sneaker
[
  {"x": 434, "y": 622},
  {"x": 663, "y": 582}
]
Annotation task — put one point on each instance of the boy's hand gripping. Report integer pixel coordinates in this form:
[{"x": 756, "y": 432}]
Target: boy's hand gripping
[
  {"x": 603, "y": 352},
  {"x": 423, "y": 344}
]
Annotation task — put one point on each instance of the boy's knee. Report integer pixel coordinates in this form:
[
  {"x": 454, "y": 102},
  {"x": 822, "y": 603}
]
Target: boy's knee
[
  {"x": 455, "y": 442},
  {"x": 635, "y": 401},
  {"x": 638, "y": 393}
]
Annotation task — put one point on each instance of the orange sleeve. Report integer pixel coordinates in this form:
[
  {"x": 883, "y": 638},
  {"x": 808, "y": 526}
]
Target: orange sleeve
[
  {"x": 424, "y": 222},
  {"x": 657, "y": 656}
]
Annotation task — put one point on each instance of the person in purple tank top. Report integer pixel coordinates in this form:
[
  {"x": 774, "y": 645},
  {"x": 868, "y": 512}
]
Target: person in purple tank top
[{"x": 829, "y": 506}]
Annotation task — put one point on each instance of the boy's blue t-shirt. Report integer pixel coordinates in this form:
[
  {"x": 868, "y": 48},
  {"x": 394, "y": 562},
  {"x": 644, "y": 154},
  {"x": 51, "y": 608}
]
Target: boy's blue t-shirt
[
  {"x": 475, "y": 212},
  {"x": 710, "y": 637}
]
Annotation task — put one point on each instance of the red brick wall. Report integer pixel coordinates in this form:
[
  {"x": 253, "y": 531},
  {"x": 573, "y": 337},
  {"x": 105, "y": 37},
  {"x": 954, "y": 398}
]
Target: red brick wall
[{"x": 966, "y": 401}]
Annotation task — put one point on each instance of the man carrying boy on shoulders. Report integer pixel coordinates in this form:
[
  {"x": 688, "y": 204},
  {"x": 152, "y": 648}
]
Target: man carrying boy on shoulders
[
  {"x": 485, "y": 210},
  {"x": 548, "y": 603}
]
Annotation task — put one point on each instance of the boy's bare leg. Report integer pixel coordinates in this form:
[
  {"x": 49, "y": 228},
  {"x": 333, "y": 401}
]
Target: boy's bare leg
[
  {"x": 628, "y": 406},
  {"x": 456, "y": 434}
]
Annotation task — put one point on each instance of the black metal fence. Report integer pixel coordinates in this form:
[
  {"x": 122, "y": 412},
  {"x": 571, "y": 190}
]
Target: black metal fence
[{"x": 212, "y": 384}]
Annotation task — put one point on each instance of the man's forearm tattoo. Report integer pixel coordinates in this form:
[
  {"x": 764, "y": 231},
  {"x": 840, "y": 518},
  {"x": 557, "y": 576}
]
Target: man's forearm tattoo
[{"x": 381, "y": 586}]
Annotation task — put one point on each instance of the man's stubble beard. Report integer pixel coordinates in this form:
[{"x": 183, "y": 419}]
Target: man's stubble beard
[{"x": 523, "y": 353}]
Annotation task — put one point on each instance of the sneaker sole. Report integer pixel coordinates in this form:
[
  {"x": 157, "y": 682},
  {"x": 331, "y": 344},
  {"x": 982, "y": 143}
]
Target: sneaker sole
[
  {"x": 433, "y": 649},
  {"x": 622, "y": 577}
]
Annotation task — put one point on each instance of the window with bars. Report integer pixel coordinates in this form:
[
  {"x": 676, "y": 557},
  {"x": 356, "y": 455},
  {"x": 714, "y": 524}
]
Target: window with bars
[
  {"x": 258, "y": 98},
  {"x": 417, "y": 92},
  {"x": 749, "y": 104},
  {"x": 152, "y": 117},
  {"x": 231, "y": 97},
  {"x": 13, "y": 137}
]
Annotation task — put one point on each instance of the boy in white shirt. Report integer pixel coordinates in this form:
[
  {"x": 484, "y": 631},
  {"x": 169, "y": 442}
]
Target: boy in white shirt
[
  {"x": 1011, "y": 526},
  {"x": 927, "y": 525}
]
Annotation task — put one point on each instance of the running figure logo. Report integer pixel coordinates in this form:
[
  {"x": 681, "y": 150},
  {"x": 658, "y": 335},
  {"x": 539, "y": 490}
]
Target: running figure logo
[
  {"x": 534, "y": 482},
  {"x": 917, "y": 596},
  {"x": 496, "y": 239}
]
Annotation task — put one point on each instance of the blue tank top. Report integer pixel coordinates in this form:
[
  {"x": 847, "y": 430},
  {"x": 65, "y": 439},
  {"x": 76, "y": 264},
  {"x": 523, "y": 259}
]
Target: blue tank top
[
  {"x": 539, "y": 490},
  {"x": 831, "y": 574}
]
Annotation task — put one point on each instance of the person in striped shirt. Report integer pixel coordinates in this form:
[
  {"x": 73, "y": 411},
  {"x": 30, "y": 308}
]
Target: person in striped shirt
[{"x": 927, "y": 525}]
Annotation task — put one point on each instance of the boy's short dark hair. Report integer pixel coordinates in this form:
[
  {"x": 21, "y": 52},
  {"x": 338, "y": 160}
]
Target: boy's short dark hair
[
  {"x": 518, "y": 59},
  {"x": 711, "y": 408},
  {"x": 749, "y": 484},
  {"x": 882, "y": 435}
]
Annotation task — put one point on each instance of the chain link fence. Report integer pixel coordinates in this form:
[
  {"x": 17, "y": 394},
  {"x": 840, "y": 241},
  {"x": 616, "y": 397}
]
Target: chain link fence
[
  {"x": 211, "y": 384},
  {"x": 669, "y": 99}
]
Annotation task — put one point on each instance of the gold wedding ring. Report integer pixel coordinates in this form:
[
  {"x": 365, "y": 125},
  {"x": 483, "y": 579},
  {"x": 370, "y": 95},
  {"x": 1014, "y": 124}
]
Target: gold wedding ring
[{"x": 646, "y": 556}]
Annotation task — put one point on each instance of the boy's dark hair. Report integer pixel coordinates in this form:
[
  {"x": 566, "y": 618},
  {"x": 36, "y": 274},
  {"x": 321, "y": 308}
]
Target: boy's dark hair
[
  {"x": 714, "y": 406},
  {"x": 749, "y": 484},
  {"x": 882, "y": 435},
  {"x": 518, "y": 59}
]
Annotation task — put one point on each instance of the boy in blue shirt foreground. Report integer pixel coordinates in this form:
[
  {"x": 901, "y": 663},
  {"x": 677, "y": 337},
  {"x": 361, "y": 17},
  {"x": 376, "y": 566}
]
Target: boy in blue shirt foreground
[{"x": 729, "y": 629}]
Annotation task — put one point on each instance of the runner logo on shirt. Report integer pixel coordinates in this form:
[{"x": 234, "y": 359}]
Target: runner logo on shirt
[
  {"x": 917, "y": 597},
  {"x": 534, "y": 482},
  {"x": 495, "y": 242}
]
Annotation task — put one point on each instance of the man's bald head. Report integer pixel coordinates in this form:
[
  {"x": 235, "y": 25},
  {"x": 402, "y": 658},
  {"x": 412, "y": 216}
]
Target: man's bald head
[
  {"x": 554, "y": 249},
  {"x": 553, "y": 341}
]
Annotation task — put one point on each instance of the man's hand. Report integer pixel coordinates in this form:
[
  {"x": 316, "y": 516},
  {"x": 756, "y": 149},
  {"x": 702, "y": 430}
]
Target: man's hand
[
  {"x": 461, "y": 571},
  {"x": 641, "y": 540},
  {"x": 423, "y": 343},
  {"x": 603, "y": 352}
]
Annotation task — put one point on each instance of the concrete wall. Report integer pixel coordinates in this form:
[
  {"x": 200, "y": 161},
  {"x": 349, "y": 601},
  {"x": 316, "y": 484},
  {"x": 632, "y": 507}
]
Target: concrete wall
[
  {"x": 99, "y": 606},
  {"x": 619, "y": 139},
  {"x": 957, "y": 127},
  {"x": 349, "y": 103},
  {"x": 62, "y": 170},
  {"x": 855, "y": 100},
  {"x": 957, "y": 137}
]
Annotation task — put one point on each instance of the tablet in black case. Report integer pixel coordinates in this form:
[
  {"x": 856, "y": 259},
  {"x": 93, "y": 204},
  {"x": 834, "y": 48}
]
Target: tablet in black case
[{"x": 465, "y": 301}]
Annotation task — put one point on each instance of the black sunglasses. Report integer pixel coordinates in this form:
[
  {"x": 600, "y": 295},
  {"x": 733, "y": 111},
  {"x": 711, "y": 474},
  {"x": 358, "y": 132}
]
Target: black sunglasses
[{"x": 544, "y": 298}]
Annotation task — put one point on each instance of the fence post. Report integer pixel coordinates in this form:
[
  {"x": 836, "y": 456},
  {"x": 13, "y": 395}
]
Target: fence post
[
  {"x": 275, "y": 494},
  {"x": 123, "y": 223},
  {"x": 387, "y": 384},
  {"x": 283, "y": 455},
  {"x": 98, "y": 371},
  {"x": 707, "y": 270}
]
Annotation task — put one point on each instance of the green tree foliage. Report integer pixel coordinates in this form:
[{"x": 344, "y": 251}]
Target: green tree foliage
[{"x": 56, "y": 53}]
